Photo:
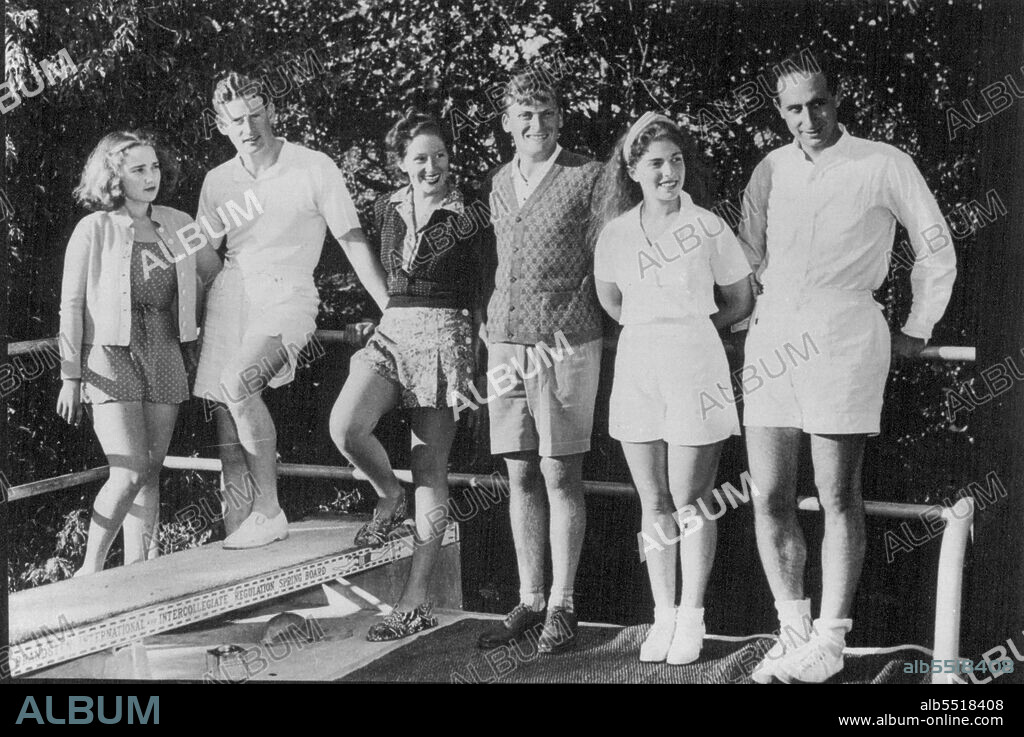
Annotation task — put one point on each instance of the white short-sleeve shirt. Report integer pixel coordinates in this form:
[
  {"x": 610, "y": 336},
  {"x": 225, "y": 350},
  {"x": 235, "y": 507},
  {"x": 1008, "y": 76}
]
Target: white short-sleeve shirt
[
  {"x": 277, "y": 220},
  {"x": 673, "y": 276}
]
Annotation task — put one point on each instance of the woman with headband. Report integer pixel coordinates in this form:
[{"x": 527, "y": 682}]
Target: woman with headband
[{"x": 657, "y": 260}]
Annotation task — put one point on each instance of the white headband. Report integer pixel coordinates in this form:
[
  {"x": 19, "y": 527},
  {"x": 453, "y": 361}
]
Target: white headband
[{"x": 637, "y": 128}]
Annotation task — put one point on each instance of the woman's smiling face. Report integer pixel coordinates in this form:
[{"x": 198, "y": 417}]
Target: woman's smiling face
[
  {"x": 661, "y": 171},
  {"x": 426, "y": 164}
]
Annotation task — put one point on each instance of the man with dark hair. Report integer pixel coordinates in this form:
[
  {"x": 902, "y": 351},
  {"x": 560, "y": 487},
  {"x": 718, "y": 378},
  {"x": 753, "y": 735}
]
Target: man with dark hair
[
  {"x": 818, "y": 222},
  {"x": 542, "y": 410},
  {"x": 274, "y": 201}
]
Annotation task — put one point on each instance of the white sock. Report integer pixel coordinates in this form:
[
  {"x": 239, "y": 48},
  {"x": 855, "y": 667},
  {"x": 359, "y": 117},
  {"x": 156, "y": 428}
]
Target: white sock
[
  {"x": 794, "y": 621},
  {"x": 834, "y": 629},
  {"x": 532, "y": 599},
  {"x": 664, "y": 614},
  {"x": 562, "y": 599}
]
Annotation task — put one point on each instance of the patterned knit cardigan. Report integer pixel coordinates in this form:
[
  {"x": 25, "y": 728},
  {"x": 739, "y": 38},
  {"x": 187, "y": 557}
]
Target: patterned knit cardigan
[{"x": 540, "y": 268}]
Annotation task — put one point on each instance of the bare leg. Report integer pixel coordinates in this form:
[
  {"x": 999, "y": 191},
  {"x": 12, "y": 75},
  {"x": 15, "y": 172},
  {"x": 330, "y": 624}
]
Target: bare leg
[
  {"x": 141, "y": 524},
  {"x": 364, "y": 399},
  {"x": 121, "y": 429},
  {"x": 563, "y": 476},
  {"x": 432, "y": 434},
  {"x": 528, "y": 513},
  {"x": 238, "y": 490},
  {"x": 837, "y": 474},
  {"x": 773, "y": 453},
  {"x": 691, "y": 473},
  {"x": 648, "y": 465},
  {"x": 260, "y": 358}
]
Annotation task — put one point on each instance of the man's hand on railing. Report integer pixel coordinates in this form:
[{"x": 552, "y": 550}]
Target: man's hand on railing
[
  {"x": 906, "y": 346},
  {"x": 69, "y": 401},
  {"x": 358, "y": 333}
]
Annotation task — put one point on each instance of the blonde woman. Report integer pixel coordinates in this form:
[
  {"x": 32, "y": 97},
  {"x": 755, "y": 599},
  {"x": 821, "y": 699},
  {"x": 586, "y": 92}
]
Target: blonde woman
[{"x": 128, "y": 303}]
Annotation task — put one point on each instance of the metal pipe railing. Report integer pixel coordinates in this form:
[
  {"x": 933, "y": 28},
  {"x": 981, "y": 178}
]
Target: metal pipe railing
[
  {"x": 958, "y": 520},
  {"x": 951, "y": 353}
]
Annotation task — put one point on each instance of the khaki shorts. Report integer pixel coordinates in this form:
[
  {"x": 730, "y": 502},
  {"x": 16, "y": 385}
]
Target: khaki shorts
[{"x": 541, "y": 400}]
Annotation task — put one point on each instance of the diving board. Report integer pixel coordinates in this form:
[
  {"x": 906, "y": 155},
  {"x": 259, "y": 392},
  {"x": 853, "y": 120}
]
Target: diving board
[{"x": 68, "y": 619}]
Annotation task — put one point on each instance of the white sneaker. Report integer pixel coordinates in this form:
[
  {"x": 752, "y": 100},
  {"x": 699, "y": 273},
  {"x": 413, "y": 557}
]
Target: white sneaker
[
  {"x": 764, "y": 672},
  {"x": 790, "y": 637},
  {"x": 688, "y": 637},
  {"x": 257, "y": 531},
  {"x": 814, "y": 662},
  {"x": 655, "y": 647}
]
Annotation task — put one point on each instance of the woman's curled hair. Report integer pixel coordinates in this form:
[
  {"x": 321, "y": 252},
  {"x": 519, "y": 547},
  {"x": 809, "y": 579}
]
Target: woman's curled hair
[
  {"x": 615, "y": 192},
  {"x": 100, "y": 185},
  {"x": 414, "y": 122}
]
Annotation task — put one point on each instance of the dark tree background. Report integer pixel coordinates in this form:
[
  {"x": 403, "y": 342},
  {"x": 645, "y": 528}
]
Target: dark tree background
[{"x": 345, "y": 71}]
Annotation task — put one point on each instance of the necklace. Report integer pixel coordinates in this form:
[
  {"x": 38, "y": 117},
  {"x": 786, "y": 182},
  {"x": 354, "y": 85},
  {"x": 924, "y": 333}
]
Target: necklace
[{"x": 643, "y": 229}]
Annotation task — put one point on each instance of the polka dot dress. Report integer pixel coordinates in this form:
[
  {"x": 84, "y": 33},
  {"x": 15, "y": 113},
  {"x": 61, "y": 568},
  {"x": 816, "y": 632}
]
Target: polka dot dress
[{"x": 151, "y": 367}]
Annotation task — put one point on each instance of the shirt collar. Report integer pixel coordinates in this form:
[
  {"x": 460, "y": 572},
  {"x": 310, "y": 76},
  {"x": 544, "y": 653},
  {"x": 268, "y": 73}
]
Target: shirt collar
[
  {"x": 241, "y": 173},
  {"x": 122, "y": 215},
  {"x": 840, "y": 148},
  {"x": 453, "y": 201},
  {"x": 541, "y": 171},
  {"x": 686, "y": 206}
]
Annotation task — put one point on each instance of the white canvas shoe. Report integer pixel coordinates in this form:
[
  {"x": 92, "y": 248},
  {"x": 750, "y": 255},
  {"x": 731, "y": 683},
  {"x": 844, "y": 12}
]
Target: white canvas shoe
[
  {"x": 791, "y": 637},
  {"x": 257, "y": 531},
  {"x": 815, "y": 662},
  {"x": 764, "y": 672},
  {"x": 688, "y": 637},
  {"x": 655, "y": 647}
]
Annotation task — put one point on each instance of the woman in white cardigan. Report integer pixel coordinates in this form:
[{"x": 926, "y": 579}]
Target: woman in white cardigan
[{"x": 128, "y": 304}]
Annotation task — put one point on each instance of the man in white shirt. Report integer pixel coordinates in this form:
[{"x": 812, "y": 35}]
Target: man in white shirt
[
  {"x": 818, "y": 222},
  {"x": 274, "y": 203}
]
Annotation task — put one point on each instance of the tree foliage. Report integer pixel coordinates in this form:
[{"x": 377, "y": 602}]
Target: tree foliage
[{"x": 152, "y": 64}]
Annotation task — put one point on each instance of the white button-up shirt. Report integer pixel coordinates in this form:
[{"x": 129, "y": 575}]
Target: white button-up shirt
[
  {"x": 829, "y": 224},
  {"x": 525, "y": 186}
]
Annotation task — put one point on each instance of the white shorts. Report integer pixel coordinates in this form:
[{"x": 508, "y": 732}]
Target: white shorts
[
  {"x": 818, "y": 363},
  {"x": 672, "y": 383},
  {"x": 244, "y": 303}
]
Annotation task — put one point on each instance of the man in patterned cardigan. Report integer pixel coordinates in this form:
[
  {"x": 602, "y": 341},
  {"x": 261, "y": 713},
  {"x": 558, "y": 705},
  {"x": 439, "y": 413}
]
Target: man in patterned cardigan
[{"x": 541, "y": 411}]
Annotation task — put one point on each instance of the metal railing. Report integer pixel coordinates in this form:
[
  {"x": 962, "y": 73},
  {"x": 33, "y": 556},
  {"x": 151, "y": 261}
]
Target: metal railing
[{"x": 958, "y": 519}]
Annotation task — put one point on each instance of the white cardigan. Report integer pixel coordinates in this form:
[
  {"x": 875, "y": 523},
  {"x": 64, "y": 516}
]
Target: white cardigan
[{"x": 96, "y": 300}]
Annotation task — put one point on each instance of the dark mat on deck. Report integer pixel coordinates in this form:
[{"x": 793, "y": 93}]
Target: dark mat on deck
[{"x": 603, "y": 655}]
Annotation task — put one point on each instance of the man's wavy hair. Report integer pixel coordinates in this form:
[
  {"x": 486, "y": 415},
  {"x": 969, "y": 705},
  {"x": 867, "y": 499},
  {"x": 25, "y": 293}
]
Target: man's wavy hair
[
  {"x": 100, "y": 185},
  {"x": 531, "y": 86},
  {"x": 615, "y": 192},
  {"x": 235, "y": 86}
]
